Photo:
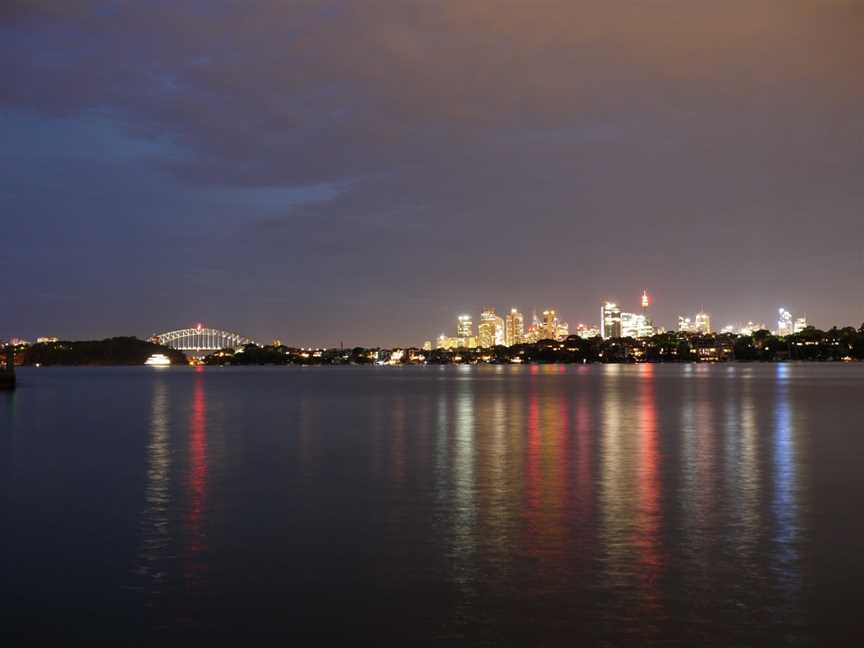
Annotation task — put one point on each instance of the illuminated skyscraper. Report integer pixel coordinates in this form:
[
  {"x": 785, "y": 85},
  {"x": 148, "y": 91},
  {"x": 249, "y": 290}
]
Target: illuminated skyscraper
[
  {"x": 784, "y": 324},
  {"x": 701, "y": 323},
  {"x": 750, "y": 328},
  {"x": 610, "y": 321},
  {"x": 549, "y": 327},
  {"x": 636, "y": 325},
  {"x": 800, "y": 324},
  {"x": 587, "y": 332},
  {"x": 500, "y": 331},
  {"x": 491, "y": 328},
  {"x": 465, "y": 327},
  {"x": 562, "y": 330},
  {"x": 514, "y": 328}
]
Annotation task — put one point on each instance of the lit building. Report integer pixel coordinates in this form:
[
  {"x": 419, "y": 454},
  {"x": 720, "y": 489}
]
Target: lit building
[
  {"x": 47, "y": 340},
  {"x": 490, "y": 331},
  {"x": 427, "y": 345},
  {"x": 500, "y": 331},
  {"x": 562, "y": 330},
  {"x": 445, "y": 342},
  {"x": 784, "y": 324},
  {"x": 514, "y": 328},
  {"x": 610, "y": 321},
  {"x": 465, "y": 327},
  {"x": 800, "y": 325},
  {"x": 699, "y": 324},
  {"x": 750, "y": 328},
  {"x": 636, "y": 325},
  {"x": 549, "y": 327},
  {"x": 587, "y": 332},
  {"x": 534, "y": 332}
]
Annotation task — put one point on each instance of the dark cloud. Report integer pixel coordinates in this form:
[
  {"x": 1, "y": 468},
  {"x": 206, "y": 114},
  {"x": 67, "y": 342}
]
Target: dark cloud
[{"x": 448, "y": 154}]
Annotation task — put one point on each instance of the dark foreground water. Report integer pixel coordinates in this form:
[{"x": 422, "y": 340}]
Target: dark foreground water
[{"x": 499, "y": 505}]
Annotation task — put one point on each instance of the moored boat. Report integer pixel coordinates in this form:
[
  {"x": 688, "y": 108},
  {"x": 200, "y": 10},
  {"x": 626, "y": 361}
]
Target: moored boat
[{"x": 158, "y": 360}]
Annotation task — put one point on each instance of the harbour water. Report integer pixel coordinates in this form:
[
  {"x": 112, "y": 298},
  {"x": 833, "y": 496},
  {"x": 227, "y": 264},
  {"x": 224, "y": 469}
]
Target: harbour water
[{"x": 533, "y": 505}]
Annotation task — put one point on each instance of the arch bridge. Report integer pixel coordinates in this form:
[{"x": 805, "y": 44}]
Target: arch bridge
[{"x": 202, "y": 339}]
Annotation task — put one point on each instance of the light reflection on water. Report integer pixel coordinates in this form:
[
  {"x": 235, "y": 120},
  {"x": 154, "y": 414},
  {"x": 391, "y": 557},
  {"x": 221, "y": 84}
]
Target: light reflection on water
[
  {"x": 785, "y": 489},
  {"x": 615, "y": 502},
  {"x": 155, "y": 519}
]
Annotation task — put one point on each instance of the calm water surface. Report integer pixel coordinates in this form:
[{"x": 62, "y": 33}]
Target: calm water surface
[{"x": 542, "y": 505}]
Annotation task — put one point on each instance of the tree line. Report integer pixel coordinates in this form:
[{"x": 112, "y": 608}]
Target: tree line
[
  {"x": 111, "y": 351},
  {"x": 810, "y": 344}
]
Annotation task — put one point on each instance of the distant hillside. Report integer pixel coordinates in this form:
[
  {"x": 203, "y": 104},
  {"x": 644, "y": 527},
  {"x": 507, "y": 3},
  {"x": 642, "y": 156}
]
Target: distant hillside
[{"x": 113, "y": 351}]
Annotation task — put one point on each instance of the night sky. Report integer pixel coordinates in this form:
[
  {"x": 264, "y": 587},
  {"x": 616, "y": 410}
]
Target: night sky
[{"x": 365, "y": 171}]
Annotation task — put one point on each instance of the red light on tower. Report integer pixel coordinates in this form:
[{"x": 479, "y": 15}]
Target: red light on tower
[{"x": 645, "y": 299}]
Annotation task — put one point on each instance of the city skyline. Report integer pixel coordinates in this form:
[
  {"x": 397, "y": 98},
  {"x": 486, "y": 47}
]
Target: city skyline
[
  {"x": 511, "y": 329},
  {"x": 325, "y": 171}
]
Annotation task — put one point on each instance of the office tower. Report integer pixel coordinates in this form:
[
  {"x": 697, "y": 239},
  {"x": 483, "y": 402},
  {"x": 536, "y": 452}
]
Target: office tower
[
  {"x": 491, "y": 328},
  {"x": 465, "y": 327},
  {"x": 587, "y": 332},
  {"x": 500, "y": 331},
  {"x": 610, "y": 321},
  {"x": 702, "y": 323},
  {"x": 562, "y": 330},
  {"x": 800, "y": 325},
  {"x": 514, "y": 328},
  {"x": 549, "y": 326},
  {"x": 784, "y": 324},
  {"x": 636, "y": 325}
]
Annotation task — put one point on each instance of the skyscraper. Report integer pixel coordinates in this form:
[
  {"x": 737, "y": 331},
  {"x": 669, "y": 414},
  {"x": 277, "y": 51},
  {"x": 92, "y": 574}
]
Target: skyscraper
[
  {"x": 702, "y": 323},
  {"x": 784, "y": 324},
  {"x": 587, "y": 332},
  {"x": 562, "y": 330},
  {"x": 514, "y": 328},
  {"x": 610, "y": 321},
  {"x": 636, "y": 325},
  {"x": 491, "y": 328},
  {"x": 550, "y": 325},
  {"x": 465, "y": 327}
]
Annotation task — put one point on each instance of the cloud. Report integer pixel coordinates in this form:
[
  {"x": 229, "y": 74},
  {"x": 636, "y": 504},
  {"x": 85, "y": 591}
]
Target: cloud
[{"x": 418, "y": 144}]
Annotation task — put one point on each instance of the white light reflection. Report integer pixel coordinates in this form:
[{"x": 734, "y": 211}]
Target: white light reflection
[
  {"x": 785, "y": 505},
  {"x": 155, "y": 532},
  {"x": 463, "y": 505}
]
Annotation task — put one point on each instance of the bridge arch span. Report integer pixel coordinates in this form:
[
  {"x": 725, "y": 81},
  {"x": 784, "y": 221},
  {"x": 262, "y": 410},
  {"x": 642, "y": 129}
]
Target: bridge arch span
[{"x": 202, "y": 339}]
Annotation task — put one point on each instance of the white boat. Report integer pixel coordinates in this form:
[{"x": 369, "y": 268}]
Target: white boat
[{"x": 158, "y": 360}]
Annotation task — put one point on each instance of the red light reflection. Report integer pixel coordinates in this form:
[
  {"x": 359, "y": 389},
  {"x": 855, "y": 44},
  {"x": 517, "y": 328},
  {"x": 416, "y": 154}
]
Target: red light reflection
[
  {"x": 197, "y": 470},
  {"x": 648, "y": 514}
]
